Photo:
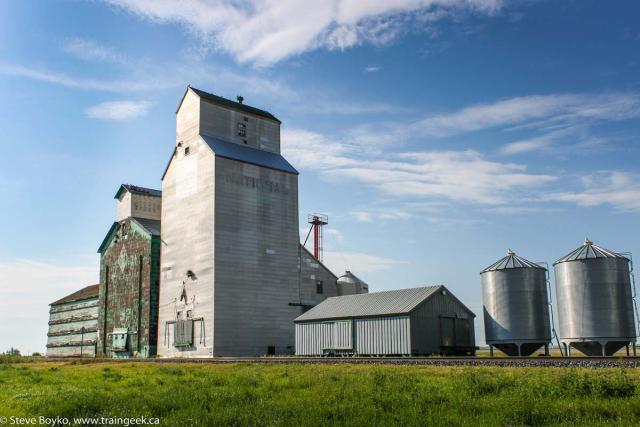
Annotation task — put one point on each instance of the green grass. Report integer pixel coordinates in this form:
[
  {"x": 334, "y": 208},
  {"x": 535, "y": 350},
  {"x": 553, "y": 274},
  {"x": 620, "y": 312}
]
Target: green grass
[{"x": 316, "y": 395}]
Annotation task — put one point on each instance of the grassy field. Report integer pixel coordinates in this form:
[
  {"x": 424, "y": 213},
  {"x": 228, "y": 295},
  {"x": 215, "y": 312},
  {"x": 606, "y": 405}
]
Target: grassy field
[{"x": 316, "y": 395}]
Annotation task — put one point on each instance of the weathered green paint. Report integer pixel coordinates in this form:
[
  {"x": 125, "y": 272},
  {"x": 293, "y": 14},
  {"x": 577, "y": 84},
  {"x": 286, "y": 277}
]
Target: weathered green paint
[{"x": 129, "y": 277}]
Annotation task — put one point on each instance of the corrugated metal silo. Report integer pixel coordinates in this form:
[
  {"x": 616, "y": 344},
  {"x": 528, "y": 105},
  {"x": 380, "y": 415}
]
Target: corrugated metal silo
[
  {"x": 350, "y": 284},
  {"x": 516, "y": 306},
  {"x": 595, "y": 300}
]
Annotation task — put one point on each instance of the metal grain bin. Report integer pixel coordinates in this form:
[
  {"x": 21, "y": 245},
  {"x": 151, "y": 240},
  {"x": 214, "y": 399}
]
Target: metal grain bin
[
  {"x": 516, "y": 306},
  {"x": 350, "y": 284},
  {"x": 595, "y": 300}
]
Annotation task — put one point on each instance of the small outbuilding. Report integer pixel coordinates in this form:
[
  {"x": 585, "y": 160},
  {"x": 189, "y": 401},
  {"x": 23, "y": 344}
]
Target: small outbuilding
[{"x": 405, "y": 322}]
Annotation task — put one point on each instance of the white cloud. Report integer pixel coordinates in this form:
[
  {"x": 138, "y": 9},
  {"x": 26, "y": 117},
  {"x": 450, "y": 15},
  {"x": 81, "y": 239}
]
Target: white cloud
[
  {"x": 301, "y": 148},
  {"x": 559, "y": 117},
  {"x": 371, "y": 69},
  {"x": 74, "y": 82},
  {"x": 333, "y": 235},
  {"x": 258, "y": 90},
  {"x": 28, "y": 287},
  {"x": 539, "y": 143},
  {"x": 546, "y": 109},
  {"x": 615, "y": 188},
  {"x": 358, "y": 262},
  {"x": 362, "y": 216},
  {"x": 380, "y": 215},
  {"x": 118, "y": 110},
  {"x": 267, "y": 31},
  {"x": 461, "y": 176},
  {"x": 89, "y": 50}
]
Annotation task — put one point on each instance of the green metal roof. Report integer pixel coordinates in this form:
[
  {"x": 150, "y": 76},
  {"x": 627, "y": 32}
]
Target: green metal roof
[{"x": 150, "y": 226}]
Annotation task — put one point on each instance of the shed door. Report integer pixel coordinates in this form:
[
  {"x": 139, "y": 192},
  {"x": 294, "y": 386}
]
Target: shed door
[
  {"x": 342, "y": 335},
  {"x": 463, "y": 332},
  {"x": 447, "y": 331}
]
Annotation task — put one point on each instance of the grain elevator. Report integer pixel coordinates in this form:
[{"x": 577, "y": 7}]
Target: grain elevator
[{"x": 233, "y": 273}]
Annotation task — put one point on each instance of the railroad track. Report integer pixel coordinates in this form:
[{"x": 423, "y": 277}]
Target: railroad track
[{"x": 507, "y": 362}]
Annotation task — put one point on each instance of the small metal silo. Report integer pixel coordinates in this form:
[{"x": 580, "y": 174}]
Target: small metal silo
[
  {"x": 350, "y": 284},
  {"x": 516, "y": 306},
  {"x": 595, "y": 300}
]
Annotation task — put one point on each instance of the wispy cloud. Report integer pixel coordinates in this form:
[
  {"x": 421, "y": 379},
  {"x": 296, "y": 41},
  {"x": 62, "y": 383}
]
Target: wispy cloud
[
  {"x": 376, "y": 215},
  {"x": 118, "y": 110},
  {"x": 74, "y": 82},
  {"x": 267, "y": 31},
  {"x": 538, "y": 143},
  {"x": 554, "y": 117},
  {"x": 258, "y": 89},
  {"x": 28, "y": 287},
  {"x": 339, "y": 262},
  {"x": 371, "y": 69},
  {"x": 462, "y": 176},
  {"x": 615, "y": 188},
  {"x": 89, "y": 50},
  {"x": 541, "y": 109}
]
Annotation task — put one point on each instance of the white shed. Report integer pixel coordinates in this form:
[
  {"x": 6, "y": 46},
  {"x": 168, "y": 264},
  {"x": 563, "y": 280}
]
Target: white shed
[{"x": 415, "y": 321}]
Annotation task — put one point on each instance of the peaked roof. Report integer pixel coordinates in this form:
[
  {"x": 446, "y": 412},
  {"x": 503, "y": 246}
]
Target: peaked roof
[
  {"x": 401, "y": 301},
  {"x": 243, "y": 153},
  {"x": 87, "y": 292},
  {"x": 589, "y": 250},
  {"x": 310, "y": 255},
  {"x": 230, "y": 104},
  {"x": 511, "y": 261},
  {"x": 134, "y": 189},
  {"x": 151, "y": 226}
]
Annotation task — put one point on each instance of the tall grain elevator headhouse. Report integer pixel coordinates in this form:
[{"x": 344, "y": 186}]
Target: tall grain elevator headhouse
[{"x": 233, "y": 273}]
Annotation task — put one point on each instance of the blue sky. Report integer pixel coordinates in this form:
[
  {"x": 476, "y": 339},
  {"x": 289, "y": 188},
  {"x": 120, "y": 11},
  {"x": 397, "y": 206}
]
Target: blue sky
[{"x": 436, "y": 134}]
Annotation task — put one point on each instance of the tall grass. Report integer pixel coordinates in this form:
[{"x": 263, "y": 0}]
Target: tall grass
[{"x": 319, "y": 395}]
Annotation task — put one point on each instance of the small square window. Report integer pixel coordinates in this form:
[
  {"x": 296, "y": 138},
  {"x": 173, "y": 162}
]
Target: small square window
[
  {"x": 242, "y": 130},
  {"x": 271, "y": 350},
  {"x": 319, "y": 286},
  {"x": 187, "y": 151}
]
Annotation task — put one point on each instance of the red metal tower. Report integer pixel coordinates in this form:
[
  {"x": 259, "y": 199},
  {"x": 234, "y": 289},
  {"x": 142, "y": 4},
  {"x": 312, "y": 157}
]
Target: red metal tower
[{"x": 317, "y": 221}]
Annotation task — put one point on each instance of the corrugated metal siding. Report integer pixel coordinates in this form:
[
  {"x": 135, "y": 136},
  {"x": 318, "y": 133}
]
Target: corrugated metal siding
[
  {"x": 343, "y": 335},
  {"x": 383, "y": 335},
  {"x": 314, "y": 338},
  {"x": 426, "y": 329}
]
